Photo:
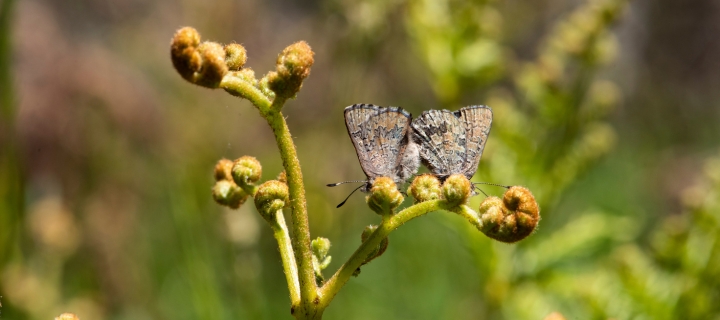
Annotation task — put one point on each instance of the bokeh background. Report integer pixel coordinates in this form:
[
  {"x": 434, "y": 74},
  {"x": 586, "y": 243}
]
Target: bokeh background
[{"x": 608, "y": 110}]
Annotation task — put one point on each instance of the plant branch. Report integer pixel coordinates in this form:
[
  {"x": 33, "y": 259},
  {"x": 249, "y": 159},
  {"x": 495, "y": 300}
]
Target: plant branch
[
  {"x": 240, "y": 87},
  {"x": 299, "y": 218},
  {"x": 338, "y": 280},
  {"x": 287, "y": 256}
]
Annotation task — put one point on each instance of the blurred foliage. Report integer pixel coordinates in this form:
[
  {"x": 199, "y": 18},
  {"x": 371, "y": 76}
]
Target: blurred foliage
[{"x": 108, "y": 211}]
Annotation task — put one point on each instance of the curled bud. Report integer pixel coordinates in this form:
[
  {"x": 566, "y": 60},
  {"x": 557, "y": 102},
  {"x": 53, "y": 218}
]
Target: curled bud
[
  {"x": 293, "y": 66},
  {"x": 223, "y": 170},
  {"x": 457, "y": 189},
  {"x": 511, "y": 219},
  {"x": 271, "y": 196},
  {"x": 321, "y": 259},
  {"x": 227, "y": 193},
  {"x": 235, "y": 56},
  {"x": 246, "y": 171},
  {"x": 321, "y": 247},
  {"x": 384, "y": 196},
  {"x": 425, "y": 187},
  {"x": 67, "y": 316},
  {"x": 375, "y": 253},
  {"x": 200, "y": 63},
  {"x": 183, "y": 51}
]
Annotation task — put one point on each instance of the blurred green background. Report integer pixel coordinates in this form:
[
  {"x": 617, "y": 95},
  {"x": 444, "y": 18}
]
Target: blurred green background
[{"x": 607, "y": 110}]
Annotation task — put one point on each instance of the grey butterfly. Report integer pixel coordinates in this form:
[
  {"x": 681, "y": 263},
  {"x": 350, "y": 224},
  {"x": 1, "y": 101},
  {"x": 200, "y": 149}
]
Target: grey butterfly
[
  {"x": 383, "y": 141},
  {"x": 453, "y": 142}
]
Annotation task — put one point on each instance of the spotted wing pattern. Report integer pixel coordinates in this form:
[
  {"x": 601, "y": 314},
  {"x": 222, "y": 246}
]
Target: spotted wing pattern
[
  {"x": 380, "y": 136},
  {"x": 477, "y": 121},
  {"x": 452, "y": 142}
]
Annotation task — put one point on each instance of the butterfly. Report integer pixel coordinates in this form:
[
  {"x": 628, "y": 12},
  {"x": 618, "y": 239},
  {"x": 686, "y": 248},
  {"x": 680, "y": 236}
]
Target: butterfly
[
  {"x": 452, "y": 142},
  {"x": 384, "y": 143}
]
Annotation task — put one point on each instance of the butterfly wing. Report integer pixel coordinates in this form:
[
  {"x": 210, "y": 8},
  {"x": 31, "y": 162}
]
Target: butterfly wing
[
  {"x": 442, "y": 141},
  {"x": 477, "y": 121},
  {"x": 380, "y": 137}
]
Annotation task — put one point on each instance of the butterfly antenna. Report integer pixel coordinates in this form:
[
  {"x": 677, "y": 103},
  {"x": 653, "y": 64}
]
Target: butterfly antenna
[
  {"x": 348, "y": 197},
  {"x": 339, "y": 183},
  {"x": 483, "y": 192},
  {"x": 490, "y": 184}
]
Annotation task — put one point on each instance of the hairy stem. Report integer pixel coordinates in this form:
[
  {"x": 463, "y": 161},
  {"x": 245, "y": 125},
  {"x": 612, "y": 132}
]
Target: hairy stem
[
  {"x": 298, "y": 205},
  {"x": 338, "y": 280},
  {"x": 299, "y": 218},
  {"x": 280, "y": 231},
  {"x": 241, "y": 88}
]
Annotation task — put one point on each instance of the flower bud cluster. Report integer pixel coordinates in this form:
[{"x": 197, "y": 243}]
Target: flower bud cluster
[
  {"x": 208, "y": 63},
  {"x": 512, "y": 218},
  {"x": 225, "y": 191},
  {"x": 203, "y": 63},
  {"x": 456, "y": 189}
]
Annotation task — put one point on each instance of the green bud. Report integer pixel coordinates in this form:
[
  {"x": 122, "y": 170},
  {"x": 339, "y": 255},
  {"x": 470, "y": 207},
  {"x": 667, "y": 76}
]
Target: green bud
[
  {"x": 227, "y": 193},
  {"x": 235, "y": 56},
  {"x": 321, "y": 247},
  {"x": 271, "y": 196},
  {"x": 293, "y": 66},
  {"x": 321, "y": 259},
  {"x": 246, "y": 171},
  {"x": 457, "y": 189},
  {"x": 425, "y": 187},
  {"x": 384, "y": 196}
]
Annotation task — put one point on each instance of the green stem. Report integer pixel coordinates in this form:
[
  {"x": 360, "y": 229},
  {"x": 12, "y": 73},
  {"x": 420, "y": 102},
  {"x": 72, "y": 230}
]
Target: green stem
[
  {"x": 241, "y": 88},
  {"x": 298, "y": 205},
  {"x": 287, "y": 256},
  {"x": 301, "y": 229},
  {"x": 338, "y": 280}
]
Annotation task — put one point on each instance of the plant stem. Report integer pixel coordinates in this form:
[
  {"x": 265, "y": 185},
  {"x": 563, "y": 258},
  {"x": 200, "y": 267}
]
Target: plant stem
[
  {"x": 298, "y": 205},
  {"x": 239, "y": 87},
  {"x": 301, "y": 229},
  {"x": 338, "y": 280},
  {"x": 287, "y": 256}
]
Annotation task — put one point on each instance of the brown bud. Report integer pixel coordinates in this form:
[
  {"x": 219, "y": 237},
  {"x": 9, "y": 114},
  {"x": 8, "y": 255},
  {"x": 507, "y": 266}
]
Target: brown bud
[
  {"x": 511, "y": 219},
  {"x": 223, "y": 170},
  {"x": 200, "y": 63}
]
